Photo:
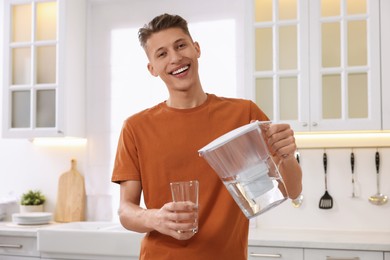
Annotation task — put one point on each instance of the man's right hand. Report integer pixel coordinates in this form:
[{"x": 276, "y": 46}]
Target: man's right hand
[{"x": 172, "y": 217}]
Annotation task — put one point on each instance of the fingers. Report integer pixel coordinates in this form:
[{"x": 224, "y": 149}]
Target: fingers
[
  {"x": 281, "y": 140},
  {"x": 181, "y": 206},
  {"x": 178, "y": 220}
]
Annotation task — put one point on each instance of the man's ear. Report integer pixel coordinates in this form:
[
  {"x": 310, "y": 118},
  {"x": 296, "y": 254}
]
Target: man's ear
[
  {"x": 151, "y": 70},
  {"x": 197, "y": 48}
]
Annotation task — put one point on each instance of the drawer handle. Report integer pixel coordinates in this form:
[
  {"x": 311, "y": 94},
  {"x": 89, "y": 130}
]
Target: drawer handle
[
  {"x": 342, "y": 258},
  {"x": 10, "y": 246},
  {"x": 266, "y": 255}
]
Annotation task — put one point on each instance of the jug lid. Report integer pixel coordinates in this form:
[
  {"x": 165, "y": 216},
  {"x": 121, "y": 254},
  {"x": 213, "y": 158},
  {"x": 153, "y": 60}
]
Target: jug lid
[{"x": 231, "y": 135}]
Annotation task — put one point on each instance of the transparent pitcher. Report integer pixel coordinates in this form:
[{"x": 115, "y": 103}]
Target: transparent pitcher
[{"x": 242, "y": 161}]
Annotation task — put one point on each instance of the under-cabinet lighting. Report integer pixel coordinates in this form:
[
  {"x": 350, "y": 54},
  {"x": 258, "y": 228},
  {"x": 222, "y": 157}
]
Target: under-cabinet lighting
[
  {"x": 59, "y": 141},
  {"x": 343, "y": 139}
]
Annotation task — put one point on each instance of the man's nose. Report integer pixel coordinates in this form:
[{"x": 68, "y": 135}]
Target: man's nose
[{"x": 175, "y": 56}]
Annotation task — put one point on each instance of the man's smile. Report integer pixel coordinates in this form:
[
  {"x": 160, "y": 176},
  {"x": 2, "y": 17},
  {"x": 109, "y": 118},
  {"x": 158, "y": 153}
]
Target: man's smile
[{"x": 180, "y": 70}]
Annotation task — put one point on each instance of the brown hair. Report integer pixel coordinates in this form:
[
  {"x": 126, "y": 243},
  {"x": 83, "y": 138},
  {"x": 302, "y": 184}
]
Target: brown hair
[{"x": 159, "y": 23}]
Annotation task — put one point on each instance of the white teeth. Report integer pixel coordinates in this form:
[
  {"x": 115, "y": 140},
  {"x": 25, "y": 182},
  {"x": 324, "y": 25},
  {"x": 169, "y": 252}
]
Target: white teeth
[{"x": 180, "y": 70}]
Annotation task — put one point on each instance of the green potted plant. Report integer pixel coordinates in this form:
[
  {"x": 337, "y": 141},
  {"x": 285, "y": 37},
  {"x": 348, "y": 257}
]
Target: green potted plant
[{"x": 32, "y": 201}]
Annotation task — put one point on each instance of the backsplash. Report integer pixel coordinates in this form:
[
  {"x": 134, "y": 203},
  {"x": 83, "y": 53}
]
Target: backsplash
[{"x": 348, "y": 212}]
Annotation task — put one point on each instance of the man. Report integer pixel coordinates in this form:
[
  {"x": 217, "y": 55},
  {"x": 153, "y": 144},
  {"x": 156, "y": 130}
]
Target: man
[{"x": 159, "y": 145}]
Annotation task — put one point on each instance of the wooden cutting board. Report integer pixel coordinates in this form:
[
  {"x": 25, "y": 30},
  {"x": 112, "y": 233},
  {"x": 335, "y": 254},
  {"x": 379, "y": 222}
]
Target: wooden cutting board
[{"x": 70, "y": 205}]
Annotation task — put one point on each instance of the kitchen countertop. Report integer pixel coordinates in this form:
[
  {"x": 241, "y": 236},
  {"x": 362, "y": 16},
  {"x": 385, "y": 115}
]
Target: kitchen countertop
[
  {"x": 12, "y": 229},
  {"x": 320, "y": 239}
]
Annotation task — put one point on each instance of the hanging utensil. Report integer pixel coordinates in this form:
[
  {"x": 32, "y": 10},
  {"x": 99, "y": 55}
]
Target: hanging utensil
[
  {"x": 297, "y": 202},
  {"x": 378, "y": 198},
  {"x": 353, "y": 175},
  {"x": 326, "y": 201}
]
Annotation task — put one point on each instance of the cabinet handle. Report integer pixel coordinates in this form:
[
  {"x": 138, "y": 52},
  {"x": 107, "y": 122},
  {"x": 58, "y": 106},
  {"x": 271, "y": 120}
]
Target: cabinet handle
[
  {"x": 266, "y": 255},
  {"x": 10, "y": 246},
  {"x": 342, "y": 258},
  {"x": 314, "y": 124},
  {"x": 304, "y": 124}
]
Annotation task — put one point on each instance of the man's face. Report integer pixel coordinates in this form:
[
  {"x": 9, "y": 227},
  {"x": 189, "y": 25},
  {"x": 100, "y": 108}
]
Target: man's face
[{"x": 173, "y": 56}]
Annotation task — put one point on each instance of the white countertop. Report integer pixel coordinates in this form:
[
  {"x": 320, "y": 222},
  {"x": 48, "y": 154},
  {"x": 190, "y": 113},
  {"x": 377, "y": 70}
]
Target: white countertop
[
  {"x": 12, "y": 229},
  {"x": 322, "y": 239}
]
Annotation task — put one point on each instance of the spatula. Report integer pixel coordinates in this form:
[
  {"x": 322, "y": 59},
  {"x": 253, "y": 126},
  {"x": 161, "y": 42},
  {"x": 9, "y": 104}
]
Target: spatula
[
  {"x": 326, "y": 201},
  {"x": 353, "y": 175}
]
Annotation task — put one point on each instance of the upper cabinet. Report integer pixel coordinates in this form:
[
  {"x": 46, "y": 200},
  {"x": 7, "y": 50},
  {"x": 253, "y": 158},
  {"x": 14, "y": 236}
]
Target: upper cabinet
[
  {"x": 385, "y": 62},
  {"x": 317, "y": 63},
  {"x": 44, "y": 68}
]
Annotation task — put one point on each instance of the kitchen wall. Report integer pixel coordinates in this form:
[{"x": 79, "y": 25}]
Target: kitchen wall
[
  {"x": 112, "y": 97},
  {"x": 347, "y": 212}
]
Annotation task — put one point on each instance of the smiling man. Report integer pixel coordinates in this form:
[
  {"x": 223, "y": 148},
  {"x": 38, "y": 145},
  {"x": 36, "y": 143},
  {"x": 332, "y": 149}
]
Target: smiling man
[
  {"x": 173, "y": 57},
  {"x": 159, "y": 145}
]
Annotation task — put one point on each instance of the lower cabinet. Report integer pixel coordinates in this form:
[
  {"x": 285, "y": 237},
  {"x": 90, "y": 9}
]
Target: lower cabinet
[
  {"x": 8, "y": 257},
  {"x": 84, "y": 257},
  {"x": 87, "y": 257},
  {"x": 272, "y": 253},
  {"x": 326, "y": 254},
  {"x": 18, "y": 248}
]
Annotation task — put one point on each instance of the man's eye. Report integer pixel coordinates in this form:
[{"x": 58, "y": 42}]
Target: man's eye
[
  {"x": 161, "y": 54},
  {"x": 181, "y": 46}
]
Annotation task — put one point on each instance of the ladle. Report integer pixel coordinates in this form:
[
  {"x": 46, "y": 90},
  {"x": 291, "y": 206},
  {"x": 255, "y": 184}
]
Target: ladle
[
  {"x": 297, "y": 202},
  {"x": 378, "y": 198}
]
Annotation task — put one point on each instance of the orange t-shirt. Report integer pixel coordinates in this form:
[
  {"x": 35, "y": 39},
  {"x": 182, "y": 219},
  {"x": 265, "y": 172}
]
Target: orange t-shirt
[{"x": 160, "y": 145}]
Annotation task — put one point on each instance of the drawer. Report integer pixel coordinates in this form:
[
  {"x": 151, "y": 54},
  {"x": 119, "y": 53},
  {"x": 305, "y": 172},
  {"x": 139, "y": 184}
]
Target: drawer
[
  {"x": 10, "y": 257},
  {"x": 272, "y": 253},
  {"x": 21, "y": 246},
  {"x": 319, "y": 254}
]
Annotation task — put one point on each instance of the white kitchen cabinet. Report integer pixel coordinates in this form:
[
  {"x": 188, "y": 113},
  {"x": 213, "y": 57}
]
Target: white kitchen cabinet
[
  {"x": 268, "y": 253},
  {"x": 44, "y": 68},
  {"x": 18, "y": 248},
  {"x": 8, "y": 257},
  {"x": 317, "y": 254},
  {"x": 87, "y": 257},
  {"x": 385, "y": 59},
  {"x": 317, "y": 63},
  {"x": 88, "y": 241}
]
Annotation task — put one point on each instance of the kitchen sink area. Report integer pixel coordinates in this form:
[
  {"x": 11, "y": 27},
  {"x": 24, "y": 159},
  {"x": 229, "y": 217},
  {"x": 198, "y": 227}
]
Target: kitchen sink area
[
  {"x": 88, "y": 239},
  {"x": 74, "y": 240}
]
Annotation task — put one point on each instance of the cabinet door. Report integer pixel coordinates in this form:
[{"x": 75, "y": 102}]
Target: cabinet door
[
  {"x": 345, "y": 65},
  {"x": 85, "y": 257},
  {"x": 317, "y": 64},
  {"x": 8, "y": 257},
  {"x": 18, "y": 246},
  {"x": 43, "y": 79},
  {"x": 385, "y": 58},
  {"x": 317, "y": 254},
  {"x": 30, "y": 78},
  {"x": 268, "y": 253},
  {"x": 387, "y": 255},
  {"x": 281, "y": 68}
]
